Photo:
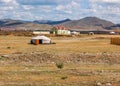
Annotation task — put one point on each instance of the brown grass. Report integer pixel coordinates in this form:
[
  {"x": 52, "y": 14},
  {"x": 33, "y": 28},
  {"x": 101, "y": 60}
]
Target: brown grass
[
  {"x": 47, "y": 74},
  {"x": 77, "y": 74},
  {"x": 13, "y": 44}
]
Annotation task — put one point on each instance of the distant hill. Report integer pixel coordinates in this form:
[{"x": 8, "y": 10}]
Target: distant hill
[
  {"x": 50, "y": 22},
  {"x": 32, "y": 26},
  {"x": 115, "y": 28},
  {"x": 88, "y": 23},
  {"x": 85, "y": 24},
  {"x": 9, "y": 24},
  {"x": 29, "y": 25}
]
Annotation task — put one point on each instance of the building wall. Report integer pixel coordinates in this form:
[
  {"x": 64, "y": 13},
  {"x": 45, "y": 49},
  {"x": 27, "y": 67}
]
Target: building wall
[
  {"x": 60, "y": 31},
  {"x": 46, "y": 41},
  {"x": 33, "y": 41},
  {"x": 41, "y": 32},
  {"x": 63, "y": 32}
]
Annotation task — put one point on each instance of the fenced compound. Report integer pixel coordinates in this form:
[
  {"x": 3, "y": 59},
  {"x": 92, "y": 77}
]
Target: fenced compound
[{"x": 115, "y": 40}]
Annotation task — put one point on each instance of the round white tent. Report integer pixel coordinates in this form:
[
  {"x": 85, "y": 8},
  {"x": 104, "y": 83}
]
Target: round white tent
[{"x": 41, "y": 40}]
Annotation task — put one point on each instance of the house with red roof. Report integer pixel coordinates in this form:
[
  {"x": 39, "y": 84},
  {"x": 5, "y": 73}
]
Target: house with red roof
[{"x": 60, "y": 30}]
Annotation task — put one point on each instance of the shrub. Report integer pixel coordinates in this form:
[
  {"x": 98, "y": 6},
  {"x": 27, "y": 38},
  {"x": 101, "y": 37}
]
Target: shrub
[
  {"x": 0, "y": 58},
  {"x": 64, "y": 77},
  {"x": 8, "y": 47},
  {"x": 60, "y": 65}
]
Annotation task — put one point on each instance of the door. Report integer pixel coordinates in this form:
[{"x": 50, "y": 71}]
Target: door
[{"x": 40, "y": 41}]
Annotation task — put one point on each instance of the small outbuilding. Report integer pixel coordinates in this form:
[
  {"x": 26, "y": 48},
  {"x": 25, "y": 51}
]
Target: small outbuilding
[
  {"x": 91, "y": 33},
  {"x": 43, "y": 32},
  {"x": 112, "y": 33},
  {"x": 40, "y": 40},
  {"x": 75, "y": 33}
]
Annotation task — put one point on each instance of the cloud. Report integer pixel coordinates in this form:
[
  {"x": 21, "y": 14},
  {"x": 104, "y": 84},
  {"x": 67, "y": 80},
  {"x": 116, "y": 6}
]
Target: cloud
[
  {"x": 59, "y": 9},
  {"x": 106, "y": 1},
  {"x": 8, "y": 5},
  {"x": 12, "y": 2},
  {"x": 22, "y": 15},
  {"x": 107, "y": 9},
  {"x": 68, "y": 8},
  {"x": 28, "y": 7},
  {"x": 7, "y": 1}
]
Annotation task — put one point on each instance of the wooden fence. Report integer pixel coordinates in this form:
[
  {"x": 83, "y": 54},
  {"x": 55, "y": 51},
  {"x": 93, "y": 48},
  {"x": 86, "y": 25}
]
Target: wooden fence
[{"x": 115, "y": 40}]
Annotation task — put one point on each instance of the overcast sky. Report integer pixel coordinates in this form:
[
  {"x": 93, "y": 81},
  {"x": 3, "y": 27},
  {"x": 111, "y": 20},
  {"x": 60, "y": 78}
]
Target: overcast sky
[{"x": 60, "y": 9}]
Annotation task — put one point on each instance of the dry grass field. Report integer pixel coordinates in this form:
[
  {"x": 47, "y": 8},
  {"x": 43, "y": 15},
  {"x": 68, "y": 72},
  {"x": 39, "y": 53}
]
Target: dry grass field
[
  {"x": 94, "y": 44},
  {"x": 86, "y": 61}
]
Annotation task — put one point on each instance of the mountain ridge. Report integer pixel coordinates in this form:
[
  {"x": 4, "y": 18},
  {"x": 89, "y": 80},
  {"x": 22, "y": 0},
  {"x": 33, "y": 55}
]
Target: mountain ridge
[
  {"x": 50, "y": 22},
  {"x": 87, "y": 23}
]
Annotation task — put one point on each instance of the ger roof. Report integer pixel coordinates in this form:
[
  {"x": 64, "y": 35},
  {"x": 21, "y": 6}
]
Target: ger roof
[{"x": 41, "y": 37}]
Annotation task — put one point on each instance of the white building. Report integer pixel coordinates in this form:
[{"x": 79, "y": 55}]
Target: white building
[
  {"x": 60, "y": 30},
  {"x": 112, "y": 33},
  {"x": 43, "y": 32},
  {"x": 75, "y": 33}
]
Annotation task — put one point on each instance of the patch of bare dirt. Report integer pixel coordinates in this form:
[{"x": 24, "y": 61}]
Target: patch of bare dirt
[
  {"x": 36, "y": 58},
  {"x": 96, "y": 58}
]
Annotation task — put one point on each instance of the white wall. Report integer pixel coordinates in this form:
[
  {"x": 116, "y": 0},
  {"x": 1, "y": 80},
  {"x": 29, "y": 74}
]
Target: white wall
[
  {"x": 41, "y": 32},
  {"x": 63, "y": 32}
]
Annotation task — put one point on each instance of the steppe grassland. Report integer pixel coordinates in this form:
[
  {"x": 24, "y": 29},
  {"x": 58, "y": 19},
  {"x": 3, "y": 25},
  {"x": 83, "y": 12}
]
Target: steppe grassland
[
  {"x": 76, "y": 74},
  {"x": 12, "y": 44}
]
